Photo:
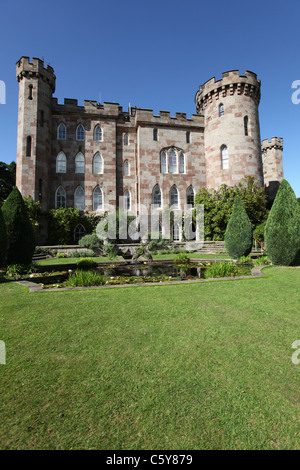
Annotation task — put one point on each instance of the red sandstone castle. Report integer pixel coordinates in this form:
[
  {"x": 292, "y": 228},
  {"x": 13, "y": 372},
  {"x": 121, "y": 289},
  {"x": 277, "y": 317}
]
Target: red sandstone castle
[{"x": 88, "y": 156}]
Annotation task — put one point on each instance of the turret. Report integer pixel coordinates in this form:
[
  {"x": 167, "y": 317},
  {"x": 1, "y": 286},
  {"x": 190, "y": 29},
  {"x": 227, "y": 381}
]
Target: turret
[
  {"x": 232, "y": 132},
  {"x": 36, "y": 86},
  {"x": 272, "y": 165}
]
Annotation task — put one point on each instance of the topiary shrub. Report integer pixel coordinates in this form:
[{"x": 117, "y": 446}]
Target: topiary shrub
[
  {"x": 282, "y": 234},
  {"x": 20, "y": 234},
  {"x": 238, "y": 235},
  {"x": 3, "y": 241}
]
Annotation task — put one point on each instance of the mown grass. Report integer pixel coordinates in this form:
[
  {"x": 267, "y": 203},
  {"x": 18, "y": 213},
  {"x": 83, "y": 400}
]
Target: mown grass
[{"x": 201, "y": 366}]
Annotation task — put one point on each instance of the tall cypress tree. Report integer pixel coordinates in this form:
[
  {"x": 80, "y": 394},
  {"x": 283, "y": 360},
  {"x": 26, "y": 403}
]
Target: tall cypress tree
[
  {"x": 3, "y": 241},
  {"x": 238, "y": 235},
  {"x": 282, "y": 233},
  {"x": 20, "y": 234}
]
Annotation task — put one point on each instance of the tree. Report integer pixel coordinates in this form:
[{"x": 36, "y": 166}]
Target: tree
[
  {"x": 218, "y": 205},
  {"x": 282, "y": 233},
  {"x": 3, "y": 241},
  {"x": 238, "y": 235},
  {"x": 34, "y": 211},
  {"x": 20, "y": 234},
  {"x": 7, "y": 179}
]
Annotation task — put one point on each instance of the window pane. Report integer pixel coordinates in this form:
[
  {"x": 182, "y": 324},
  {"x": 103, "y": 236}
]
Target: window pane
[
  {"x": 80, "y": 132},
  {"x": 60, "y": 198},
  {"x": 172, "y": 162},
  {"x": 61, "y": 163},
  {"x": 156, "y": 197},
  {"x": 61, "y": 132},
  {"x": 79, "y": 163},
  {"x": 126, "y": 168},
  {"x": 79, "y": 199},
  {"x": 163, "y": 163},
  {"x": 127, "y": 200},
  {"x": 190, "y": 198},
  {"x": 225, "y": 161},
  {"x": 174, "y": 197},
  {"x": 181, "y": 164},
  {"x": 98, "y": 134}
]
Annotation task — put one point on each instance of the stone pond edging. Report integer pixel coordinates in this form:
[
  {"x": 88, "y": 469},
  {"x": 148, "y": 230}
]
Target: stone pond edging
[{"x": 33, "y": 287}]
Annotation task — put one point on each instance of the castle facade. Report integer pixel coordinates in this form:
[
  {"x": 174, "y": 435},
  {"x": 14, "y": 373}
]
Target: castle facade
[{"x": 88, "y": 156}]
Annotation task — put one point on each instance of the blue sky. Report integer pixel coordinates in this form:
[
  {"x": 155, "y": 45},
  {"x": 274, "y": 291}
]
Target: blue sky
[{"x": 155, "y": 54}]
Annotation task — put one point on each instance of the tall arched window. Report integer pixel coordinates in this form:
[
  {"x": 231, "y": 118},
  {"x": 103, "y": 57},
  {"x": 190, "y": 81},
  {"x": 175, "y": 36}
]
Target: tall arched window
[
  {"x": 155, "y": 134},
  {"x": 97, "y": 164},
  {"x": 61, "y": 132},
  {"x": 181, "y": 163},
  {"x": 79, "y": 163},
  {"x": 79, "y": 199},
  {"x": 221, "y": 110},
  {"x": 156, "y": 197},
  {"x": 163, "y": 162},
  {"x": 174, "y": 199},
  {"x": 172, "y": 161},
  {"x": 79, "y": 232},
  {"x": 80, "y": 133},
  {"x": 127, "y": 201},
  {"x": 98, "y": 134},
  {"x": 224, "y": 158},
  {"x": 60, "y": 198},
  {"x": 190, "y": 196},
  {"x": 126, "y": 168},
  {"x": 97, "y": 199},
  {"x": 126, "y": 139},
  {"x": 246, "y": 125},
  {"x": 61, "y": 163}
]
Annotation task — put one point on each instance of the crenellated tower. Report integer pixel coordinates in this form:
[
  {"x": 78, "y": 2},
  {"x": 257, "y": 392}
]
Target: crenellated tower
[
  {"x": 272, "y": 165},
  {"x": 36, "y": 86},
  {"x": 232, "y": 131}
]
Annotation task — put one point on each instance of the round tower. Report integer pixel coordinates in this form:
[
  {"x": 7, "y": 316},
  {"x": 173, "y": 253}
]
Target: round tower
[
  {"x": 36, "y": 86},
  {"x": 232, "y": 132}
]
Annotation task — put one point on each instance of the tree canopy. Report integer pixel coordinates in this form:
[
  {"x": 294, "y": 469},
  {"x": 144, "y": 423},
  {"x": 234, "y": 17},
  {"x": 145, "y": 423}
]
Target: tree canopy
[{"x": 7, "y": 180}]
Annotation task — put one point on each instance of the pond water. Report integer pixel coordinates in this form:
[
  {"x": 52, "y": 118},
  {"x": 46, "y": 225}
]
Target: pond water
[{"x": 166, "y": 269}]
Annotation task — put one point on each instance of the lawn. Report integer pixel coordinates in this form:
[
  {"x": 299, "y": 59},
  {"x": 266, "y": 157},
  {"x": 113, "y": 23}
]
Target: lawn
[{"x": 200, "y": 366}]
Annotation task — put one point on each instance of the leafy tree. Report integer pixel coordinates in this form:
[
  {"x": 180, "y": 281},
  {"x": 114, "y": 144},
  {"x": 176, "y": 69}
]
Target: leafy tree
[
  {"x": 282, "y": 234},
  {"x": 238, "y": 235},
  {"x": 218, "y": 205},
  {"x": 7, "y": 179},
  {"x": 34, "y": 211},
  {"x": 3, "y": 241},
  {"x": 91, "y": 241},
  {"x": 62, "y": 223},
  {"x": 20, "y": 234}
]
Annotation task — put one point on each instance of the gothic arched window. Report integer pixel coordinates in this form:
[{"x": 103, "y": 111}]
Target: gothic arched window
[
  {"x": 80, "y": 132},
  {"x": 221, "y": 110},
  {"x": 61, "y": 132},
  {"x": 97, "y": 199},
  {"x": 98, "y": 134},
  {"x": 126, "y": 168},
  {"x": 174, "y": 199},
  {"x": 61, "y": 163},
  {"x": 79, "y": 199},
  {"x": 79, "y": 163},
  {"x": 190, "y": 196},
  {"x": 97, "y": 164},
  {"x": 224, "y": 158},
  {"x": 156, "y": 197},
  {"x": 60, "y": 198},
  {"x": 127, "y": 200}
]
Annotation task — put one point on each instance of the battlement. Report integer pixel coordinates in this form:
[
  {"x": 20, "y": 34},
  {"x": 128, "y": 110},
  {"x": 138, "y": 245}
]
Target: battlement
[
  {"x": 275, "y": 143},
  {"x": 36, "y": 68},
  {"x": 231, "y": 83},
  {"x": 133, "y": 115}
]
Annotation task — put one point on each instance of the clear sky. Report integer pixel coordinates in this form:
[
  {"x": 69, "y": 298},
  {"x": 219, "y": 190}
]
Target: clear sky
[{"x": 155, "y": 54}]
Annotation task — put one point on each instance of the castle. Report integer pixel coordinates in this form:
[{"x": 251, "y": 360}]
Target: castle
[{"x": 88, "y": 156}]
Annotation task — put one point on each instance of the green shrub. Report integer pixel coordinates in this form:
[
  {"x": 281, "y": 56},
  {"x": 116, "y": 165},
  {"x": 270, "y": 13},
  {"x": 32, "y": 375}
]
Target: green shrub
[
  {"x": 81, "y": 254},
  {"x": 85, "y": 279},
  {"x": 20, "y": 234},
  {"x": 17, "y": 270},
  {"x": 182, "y": 258},
  {"x": 61, "y": 255},
  {"x": 3, "y": 241},
  {"x": 238, "y": 236},
  {"x": 245, "y": 260},
  {"x": 92, "y": 242},
  {"x": 282, "y": 234},
  {"x": 261, "y": 260},
  {"x": 86, "y": 263},
  {"x": 110, "y": 250},
  {"x": 221, "y": 269}
]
